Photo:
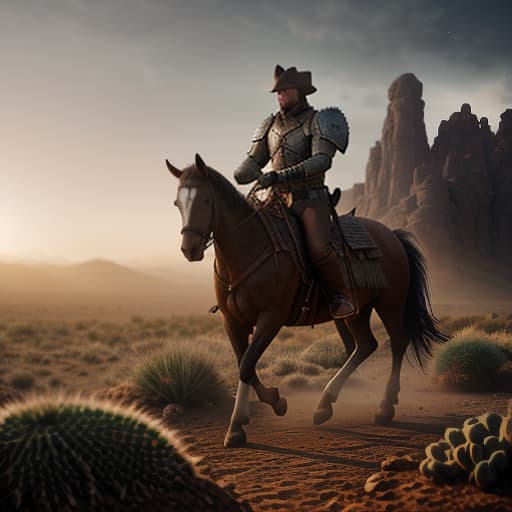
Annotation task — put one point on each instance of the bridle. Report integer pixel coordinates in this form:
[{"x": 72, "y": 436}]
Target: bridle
[{"x": 207, "y": 235}]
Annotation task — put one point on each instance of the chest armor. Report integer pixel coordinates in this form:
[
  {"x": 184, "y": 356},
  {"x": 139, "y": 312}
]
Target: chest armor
[{"x": 289, "y": 139}]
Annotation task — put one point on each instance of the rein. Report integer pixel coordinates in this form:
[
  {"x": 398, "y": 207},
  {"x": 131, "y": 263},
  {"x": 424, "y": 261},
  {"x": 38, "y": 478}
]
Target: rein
[{"x": 210, "y": 238}]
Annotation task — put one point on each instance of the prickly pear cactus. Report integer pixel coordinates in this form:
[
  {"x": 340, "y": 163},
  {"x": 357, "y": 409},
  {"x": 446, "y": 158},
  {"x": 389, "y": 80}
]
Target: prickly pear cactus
[
  {"x": 76, "y": 454},
  {"x": 479, "y": 452}
]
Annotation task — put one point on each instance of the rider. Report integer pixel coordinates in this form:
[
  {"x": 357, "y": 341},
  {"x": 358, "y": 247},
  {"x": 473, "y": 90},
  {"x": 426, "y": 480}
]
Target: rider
[{"x": 301, "y": 143}]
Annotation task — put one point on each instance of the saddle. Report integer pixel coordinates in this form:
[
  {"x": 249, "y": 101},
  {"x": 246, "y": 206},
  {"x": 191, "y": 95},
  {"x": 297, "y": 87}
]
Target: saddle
[{"x": 357, "y": 250}]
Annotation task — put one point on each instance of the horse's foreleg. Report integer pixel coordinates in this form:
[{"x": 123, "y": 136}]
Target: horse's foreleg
[
  {"x": 365, "y": 344},
  {"x": 266, "y": 328},
  {"x": 239, "y": 336}
]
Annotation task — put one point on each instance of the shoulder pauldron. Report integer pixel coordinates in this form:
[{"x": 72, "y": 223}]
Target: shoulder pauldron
[
  {"x": 261, "y": 132},
  {"x": 332, "y": 126}
]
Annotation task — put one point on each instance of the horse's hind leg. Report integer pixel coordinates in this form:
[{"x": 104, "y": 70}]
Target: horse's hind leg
[
  {"x": 239, "y": 336},
  {"x": 365, "y": 344},
  {"x": 346, "y": 336},
  {"x": 393, "y": 321}
]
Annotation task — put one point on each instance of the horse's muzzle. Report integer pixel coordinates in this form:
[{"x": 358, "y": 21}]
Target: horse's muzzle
[{"x": 193, "y": 253}]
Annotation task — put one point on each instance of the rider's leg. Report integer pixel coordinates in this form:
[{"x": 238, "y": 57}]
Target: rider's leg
[{"x": 315, "y": 217}]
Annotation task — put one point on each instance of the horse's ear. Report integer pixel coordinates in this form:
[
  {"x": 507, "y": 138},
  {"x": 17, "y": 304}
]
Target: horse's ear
[
  {"x": 174, "y": 171},
  {"x": 201, "y": 166}
]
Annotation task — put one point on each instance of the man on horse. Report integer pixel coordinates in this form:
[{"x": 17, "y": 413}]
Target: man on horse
[{"x": 301, "y": 142}]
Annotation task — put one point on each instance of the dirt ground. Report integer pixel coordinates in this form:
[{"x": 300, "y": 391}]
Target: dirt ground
[{"x": 289, "y": 464}]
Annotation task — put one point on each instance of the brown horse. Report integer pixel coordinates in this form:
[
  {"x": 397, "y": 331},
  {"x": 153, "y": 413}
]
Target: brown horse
[{"x": 256, "y": 293}]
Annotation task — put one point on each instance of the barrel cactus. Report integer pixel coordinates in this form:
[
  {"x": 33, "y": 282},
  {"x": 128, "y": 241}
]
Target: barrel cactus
[
  {"x": 62, "y": 454},
  {"x": 479, "y": 452}
]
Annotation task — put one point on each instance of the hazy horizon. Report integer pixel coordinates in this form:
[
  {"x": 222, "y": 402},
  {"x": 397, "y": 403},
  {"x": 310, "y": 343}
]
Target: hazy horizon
[{"x": 97, "y": 94}]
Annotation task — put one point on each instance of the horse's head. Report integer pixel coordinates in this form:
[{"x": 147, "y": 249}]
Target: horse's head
[{"x": 195, "y": 202}]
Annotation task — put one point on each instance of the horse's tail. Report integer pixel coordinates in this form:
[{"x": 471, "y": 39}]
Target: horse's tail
[{"x": 420, "y": 322}]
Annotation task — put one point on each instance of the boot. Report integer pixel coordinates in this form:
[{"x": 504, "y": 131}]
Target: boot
[{"x": 331, "y": 275}]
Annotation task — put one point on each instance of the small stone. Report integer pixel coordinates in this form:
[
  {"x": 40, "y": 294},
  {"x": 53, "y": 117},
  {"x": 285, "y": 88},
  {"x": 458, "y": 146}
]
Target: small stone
[
  {"x": 394, "y": 463},
  {"x": 378, "y": 482},
  {"x": 173, "y": 410}
]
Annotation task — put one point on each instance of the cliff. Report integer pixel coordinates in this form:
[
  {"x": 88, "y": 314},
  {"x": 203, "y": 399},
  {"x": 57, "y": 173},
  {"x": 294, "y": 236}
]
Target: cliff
[{"x": 455, "y": 196}]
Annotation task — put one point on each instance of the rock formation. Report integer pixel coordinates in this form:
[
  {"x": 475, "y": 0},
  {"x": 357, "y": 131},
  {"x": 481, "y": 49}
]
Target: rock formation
[{"x": 455, "y": 196}]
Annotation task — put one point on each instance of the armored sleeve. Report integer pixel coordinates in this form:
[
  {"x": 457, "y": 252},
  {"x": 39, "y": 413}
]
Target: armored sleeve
[
  {"x": 329, "y": 131},
  {"x": 257, "y": 155}
]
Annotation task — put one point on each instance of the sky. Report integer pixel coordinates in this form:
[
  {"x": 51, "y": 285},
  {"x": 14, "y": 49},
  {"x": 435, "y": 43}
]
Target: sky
[{"x": 95, "y": 94}]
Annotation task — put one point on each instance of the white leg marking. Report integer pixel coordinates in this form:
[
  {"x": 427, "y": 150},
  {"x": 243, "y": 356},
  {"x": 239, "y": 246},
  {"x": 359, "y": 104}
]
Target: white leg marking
[{"x": 241, "y": 408}]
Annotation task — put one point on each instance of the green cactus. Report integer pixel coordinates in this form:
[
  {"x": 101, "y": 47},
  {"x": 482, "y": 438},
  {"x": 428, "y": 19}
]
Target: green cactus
[
  {"x": 79, "y": 454},
  {"x": 479, "y": 452},
  {"x": 470, "y": 360}
]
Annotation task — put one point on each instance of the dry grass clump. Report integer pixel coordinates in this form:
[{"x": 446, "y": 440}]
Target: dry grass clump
[
  {"x": 327, "y": 352},
  {"x": 8, "y": 394},
  {"x": 22, "y": 381},
  {"x": 288, "y": 364},
  {"x": 181, "y": 374}
]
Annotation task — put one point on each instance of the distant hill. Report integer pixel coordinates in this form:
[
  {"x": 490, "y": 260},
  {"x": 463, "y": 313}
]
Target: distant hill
[{"x": 91, "y": 278}]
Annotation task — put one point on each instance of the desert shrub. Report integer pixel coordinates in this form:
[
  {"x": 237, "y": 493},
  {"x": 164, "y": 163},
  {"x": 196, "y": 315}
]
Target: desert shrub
[
  {"x": 21, "y": 332},
  {"x": 451, "y": 325},
  {"x": 284, "y": 366},
  {"x": 89, "y": 455},
  {"x": 92, "y": 336},
  {"x": 491, "y": 325},
  {"x": 288, "y": 364},
  {"x": 80, "y": 326},
  {"x": 181, "y": 374},
  {"x": 470, "y": 360},
  {"x": 22, "y": 381},
  {"x": 327, "y": 353},
  {"x": 61, "y": 331},
  {"x": 295, "y": 381},
  {"x": 8, "y": 394}
]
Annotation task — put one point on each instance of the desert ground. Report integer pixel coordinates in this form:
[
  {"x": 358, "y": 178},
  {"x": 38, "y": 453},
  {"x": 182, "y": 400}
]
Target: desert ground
[{"x": 288, "y": 464}]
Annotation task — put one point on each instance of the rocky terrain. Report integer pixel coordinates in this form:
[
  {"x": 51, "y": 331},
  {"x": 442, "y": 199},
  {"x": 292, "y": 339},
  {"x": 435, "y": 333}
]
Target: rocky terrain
[{"x": 456, "y": 195}]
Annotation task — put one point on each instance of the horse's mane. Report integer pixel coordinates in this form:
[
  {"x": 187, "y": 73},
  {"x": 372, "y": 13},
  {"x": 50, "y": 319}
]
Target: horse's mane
[{"x": 221, "y": 183}]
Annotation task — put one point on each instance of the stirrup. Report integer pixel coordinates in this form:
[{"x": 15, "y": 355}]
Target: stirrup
[{"x": 341, "y": 307}]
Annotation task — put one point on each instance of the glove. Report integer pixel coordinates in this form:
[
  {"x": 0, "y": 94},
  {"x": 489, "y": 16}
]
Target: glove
[{"x": 267, "y": 179}]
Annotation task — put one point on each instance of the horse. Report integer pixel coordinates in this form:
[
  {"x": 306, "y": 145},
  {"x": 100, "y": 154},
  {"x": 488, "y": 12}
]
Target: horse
[{"x": 256, "y": 292}]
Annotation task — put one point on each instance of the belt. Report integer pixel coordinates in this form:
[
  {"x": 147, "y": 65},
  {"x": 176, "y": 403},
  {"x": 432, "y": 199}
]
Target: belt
[{"x": 315, "y": 193}]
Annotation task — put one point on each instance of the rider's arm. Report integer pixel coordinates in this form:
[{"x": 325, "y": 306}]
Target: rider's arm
[{"x": 257, "y": 156}]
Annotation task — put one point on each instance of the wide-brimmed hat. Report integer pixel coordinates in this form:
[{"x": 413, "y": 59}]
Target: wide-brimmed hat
[{"x": 284, "y": 79}]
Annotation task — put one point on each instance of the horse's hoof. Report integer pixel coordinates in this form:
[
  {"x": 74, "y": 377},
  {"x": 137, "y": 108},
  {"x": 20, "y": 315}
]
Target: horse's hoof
[
  {"x": 280, "y": 407},
  {"x": 235, "y": 439},
  {"x": 384, "y": 415},
  {"x": 322, "y": 415}
]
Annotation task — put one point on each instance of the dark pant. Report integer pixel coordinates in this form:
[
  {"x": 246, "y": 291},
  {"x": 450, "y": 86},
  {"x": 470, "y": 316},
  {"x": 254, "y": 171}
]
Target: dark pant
[{"x": 314, "y": 215}]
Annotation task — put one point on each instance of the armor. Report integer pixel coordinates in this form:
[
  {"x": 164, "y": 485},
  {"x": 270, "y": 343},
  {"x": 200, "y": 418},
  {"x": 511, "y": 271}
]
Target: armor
[
  {"x": 257, "y": 155},
  {"x": 332, "y": 126},
  {"x": 301, "y": 147}
]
